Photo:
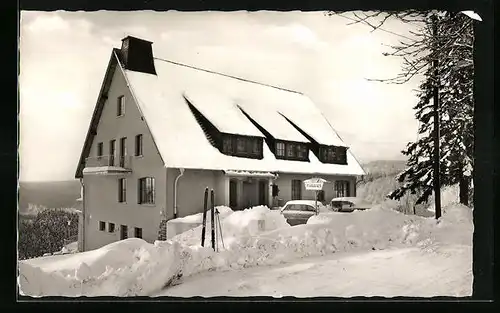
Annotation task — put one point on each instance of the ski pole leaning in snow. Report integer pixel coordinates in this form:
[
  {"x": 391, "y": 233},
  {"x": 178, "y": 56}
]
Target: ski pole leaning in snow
[
  {"x": 203, "y": 227},
  {"x": 212, "y": 217},
  {"x": 220, "y": 228},
  {"x": 216, "y": 233}
]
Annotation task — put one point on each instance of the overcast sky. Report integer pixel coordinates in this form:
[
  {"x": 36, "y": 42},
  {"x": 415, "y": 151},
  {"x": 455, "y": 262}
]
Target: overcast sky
[{"x": 63, "y": 57}]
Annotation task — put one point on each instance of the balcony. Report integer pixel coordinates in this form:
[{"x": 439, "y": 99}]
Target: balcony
[{"x": 108, "y": 165}]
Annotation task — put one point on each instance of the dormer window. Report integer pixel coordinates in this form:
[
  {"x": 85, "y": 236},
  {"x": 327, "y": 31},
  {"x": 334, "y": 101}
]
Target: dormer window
[
  {"x": 280, "y": 149},
  {"x": 120, "y": 106},
  {"x": 291, "y": 151},
  {"x": 301, "y": 151},
  {"x": 256, "y": 147},
  {"x": 227, "y": 145},
  {"x": 242, "y": 146},
  {"x": 333, "y": 154}
]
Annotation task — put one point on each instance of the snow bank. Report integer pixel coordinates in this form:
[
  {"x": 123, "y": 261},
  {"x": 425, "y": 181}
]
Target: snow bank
[
  {"x": 126, "y": 268},
  {"x": 252, "y": 237},
  {"x": 198, "y": 217},
  {"x": 248, "y": 222},
  {"x": 183, "y": 224}
]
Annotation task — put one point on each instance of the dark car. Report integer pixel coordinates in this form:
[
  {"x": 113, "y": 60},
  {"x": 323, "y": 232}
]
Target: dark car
[
  {"x": 299, "y": 211},
  {"x": 348, "y": 204}
]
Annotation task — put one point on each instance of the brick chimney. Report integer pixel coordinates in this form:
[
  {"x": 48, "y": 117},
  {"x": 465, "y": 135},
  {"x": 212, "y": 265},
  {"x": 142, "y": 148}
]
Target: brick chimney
[{"x": 137, "y": 55}]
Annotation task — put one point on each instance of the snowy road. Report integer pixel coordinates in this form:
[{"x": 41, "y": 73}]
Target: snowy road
[{"x": 395, "y": 272}]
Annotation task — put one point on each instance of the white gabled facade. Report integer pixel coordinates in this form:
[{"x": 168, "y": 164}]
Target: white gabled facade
[{"x": 174, "y": 142}]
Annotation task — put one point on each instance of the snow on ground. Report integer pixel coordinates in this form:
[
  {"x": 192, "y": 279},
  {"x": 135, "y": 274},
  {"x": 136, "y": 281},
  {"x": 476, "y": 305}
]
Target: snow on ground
[
  {"x": 253, "y": 237},
  {"x": 393, "y": 272}
]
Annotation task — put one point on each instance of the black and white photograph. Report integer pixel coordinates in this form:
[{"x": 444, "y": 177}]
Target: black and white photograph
[{"x": 246, "y": 153}]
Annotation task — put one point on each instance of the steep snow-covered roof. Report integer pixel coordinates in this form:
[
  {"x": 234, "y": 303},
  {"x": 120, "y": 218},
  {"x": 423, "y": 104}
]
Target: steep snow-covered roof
[{"x": 181, "y": 141}]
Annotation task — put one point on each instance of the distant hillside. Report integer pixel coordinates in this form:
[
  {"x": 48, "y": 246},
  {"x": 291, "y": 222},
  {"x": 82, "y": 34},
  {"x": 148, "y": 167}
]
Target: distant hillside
[
  {"x": 381, "y": 168},
  {"x": 380, "y": 180},
  {"x": 60, "y": 194}
]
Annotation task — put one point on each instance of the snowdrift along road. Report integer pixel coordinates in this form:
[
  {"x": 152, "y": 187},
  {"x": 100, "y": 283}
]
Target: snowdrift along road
[{"x": 134, "y": 267}]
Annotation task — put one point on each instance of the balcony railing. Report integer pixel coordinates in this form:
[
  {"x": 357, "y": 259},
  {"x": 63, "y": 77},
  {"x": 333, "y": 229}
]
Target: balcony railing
[{"x": 109, "y": 161}]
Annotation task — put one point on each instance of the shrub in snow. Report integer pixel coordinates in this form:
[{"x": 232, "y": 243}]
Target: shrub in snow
[{"x": 46, "y": 232}]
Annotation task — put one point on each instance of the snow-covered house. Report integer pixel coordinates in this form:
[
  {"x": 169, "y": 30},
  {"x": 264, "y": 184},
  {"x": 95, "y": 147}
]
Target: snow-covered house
[{"x": 162, "y": 132}]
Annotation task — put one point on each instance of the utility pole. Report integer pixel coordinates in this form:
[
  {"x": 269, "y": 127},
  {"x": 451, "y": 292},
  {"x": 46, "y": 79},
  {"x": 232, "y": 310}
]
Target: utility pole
[{"x": 435, "y": 64}]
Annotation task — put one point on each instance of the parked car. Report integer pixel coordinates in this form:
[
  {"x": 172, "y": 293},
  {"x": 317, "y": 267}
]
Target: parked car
[
  {"x": 348, "y": 204},
  {"x": 299, "y": 211}
]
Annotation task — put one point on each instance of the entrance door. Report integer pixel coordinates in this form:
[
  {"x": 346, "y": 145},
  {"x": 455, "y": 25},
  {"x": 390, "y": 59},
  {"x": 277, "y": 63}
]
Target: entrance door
[
  {"x": 262, "y": 192},
  {"x": 233, "y": 194},
  {"x": 123, "y": 151}
]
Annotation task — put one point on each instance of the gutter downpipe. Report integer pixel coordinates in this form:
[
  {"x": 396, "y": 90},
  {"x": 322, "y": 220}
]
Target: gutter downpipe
[
  {"x": 83, "y": 214},
  {"x": 175, "y": 191}
]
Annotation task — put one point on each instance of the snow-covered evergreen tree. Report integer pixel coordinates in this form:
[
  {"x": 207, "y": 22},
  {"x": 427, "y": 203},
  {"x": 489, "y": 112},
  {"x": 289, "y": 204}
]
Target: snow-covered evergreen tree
[
  {"x": 453, "y": 48},
  {"x": 457, "y": 103},
  {"x": 454, "y": 51}
]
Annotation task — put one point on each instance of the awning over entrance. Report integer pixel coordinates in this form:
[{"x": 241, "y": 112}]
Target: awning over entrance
[{"x": 239, "y": 173}]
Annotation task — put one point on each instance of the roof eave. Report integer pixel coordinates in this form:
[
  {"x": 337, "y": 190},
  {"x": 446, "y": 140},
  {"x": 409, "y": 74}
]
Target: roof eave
[{"x": 113, "y": 61}]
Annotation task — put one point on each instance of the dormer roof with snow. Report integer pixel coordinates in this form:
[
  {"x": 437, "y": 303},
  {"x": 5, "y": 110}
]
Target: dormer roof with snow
[{"x": 167, "y": 92}]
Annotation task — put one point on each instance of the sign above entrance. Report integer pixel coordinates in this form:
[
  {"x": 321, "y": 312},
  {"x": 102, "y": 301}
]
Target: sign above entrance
[
  {"x": 313, "y": 186},
  {"x": 314, "y": 183}
]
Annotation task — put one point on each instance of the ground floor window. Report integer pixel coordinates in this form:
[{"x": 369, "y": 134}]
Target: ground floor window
[
  {"x": 342, "y": 188},
  {"x": 123, "y": 232},
  {"x": 111, "y": 227},
  {"x": 102, "y": 226},
  {"x": 296, "y": 189},
  {"x": 137, "y": 232}
]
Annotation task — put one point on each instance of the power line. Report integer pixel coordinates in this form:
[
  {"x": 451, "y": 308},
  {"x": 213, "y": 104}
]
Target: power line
[
  {"x": 380, "y": 28},
  {"x": 227, "y": 75}
]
